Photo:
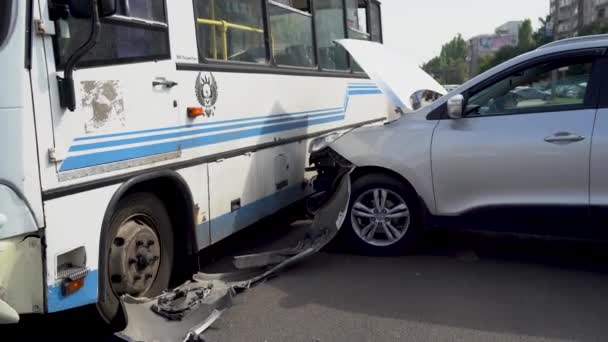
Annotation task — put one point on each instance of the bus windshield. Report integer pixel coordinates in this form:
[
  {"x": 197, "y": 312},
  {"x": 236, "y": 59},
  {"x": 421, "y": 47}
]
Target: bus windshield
[{"x": 6, "y": 9}]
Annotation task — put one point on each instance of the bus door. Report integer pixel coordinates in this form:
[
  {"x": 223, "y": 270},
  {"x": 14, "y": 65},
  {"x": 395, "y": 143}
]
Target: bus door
[{"x": 124, "y": 90}]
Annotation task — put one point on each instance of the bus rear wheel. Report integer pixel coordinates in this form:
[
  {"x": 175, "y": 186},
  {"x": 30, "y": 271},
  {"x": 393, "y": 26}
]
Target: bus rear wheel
[{"x": 139, "y": 254}]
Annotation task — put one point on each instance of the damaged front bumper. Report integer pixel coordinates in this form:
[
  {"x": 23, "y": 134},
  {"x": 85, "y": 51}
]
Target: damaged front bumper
[{"x": 330, "y": 168}]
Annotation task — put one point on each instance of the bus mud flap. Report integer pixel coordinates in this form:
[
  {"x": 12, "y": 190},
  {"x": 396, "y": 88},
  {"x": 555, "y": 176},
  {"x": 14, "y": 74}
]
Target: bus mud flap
[{"x": 184, "y": 313}]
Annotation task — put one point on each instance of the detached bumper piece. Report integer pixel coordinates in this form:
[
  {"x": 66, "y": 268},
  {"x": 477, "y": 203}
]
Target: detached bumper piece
[
  {"x": 186, "y": 312},
  {"x": 8, "y": 315}
]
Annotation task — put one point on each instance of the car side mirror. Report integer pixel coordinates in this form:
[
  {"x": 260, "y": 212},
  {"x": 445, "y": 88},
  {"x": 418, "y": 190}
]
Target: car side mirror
[
  {"x": 455, "y": 106},
  {"x": 82, "y": 9}
]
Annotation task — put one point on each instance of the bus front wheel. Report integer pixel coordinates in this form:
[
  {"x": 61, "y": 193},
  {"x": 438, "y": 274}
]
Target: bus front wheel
[{"x": 139, "y": 254}]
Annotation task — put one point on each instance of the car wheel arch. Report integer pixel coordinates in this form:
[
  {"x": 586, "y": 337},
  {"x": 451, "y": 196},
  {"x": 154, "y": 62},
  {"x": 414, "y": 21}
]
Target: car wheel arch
[{"x": 359, "y": 172}]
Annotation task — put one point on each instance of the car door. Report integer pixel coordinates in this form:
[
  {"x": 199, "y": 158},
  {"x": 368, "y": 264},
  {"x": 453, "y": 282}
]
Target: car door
[
  {"x": 520, "y": 164},
  {"x": 599, "y": 158}
]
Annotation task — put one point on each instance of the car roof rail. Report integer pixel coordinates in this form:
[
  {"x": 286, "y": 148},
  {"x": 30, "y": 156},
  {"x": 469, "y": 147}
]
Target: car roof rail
[{"x": 593, "y": 38}]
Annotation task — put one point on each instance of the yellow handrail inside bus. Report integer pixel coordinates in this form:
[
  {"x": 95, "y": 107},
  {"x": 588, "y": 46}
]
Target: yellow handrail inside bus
[{"x": 224, "y": 26}]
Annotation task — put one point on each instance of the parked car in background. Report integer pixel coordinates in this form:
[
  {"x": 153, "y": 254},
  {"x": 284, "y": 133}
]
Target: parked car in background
[
  {"x": 478, "y": 158},
  {"x": 529, "y": 93}
]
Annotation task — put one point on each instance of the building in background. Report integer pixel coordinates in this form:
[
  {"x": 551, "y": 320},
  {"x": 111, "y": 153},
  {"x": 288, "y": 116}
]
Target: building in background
[
  {"x": 483, "y": 45},
  {"x": 570, "y": 16}
]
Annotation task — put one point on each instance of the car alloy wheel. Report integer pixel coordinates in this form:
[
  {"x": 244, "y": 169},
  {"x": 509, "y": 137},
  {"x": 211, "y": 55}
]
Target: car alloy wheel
[{"x": 380, "y": 217}]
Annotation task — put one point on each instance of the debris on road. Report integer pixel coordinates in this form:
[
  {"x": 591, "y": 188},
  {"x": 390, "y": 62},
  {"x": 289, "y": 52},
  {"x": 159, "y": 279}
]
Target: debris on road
[{"x": 184, "y": 313}]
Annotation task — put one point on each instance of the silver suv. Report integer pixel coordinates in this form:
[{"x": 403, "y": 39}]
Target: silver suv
[{"x": 485, "y": 156}]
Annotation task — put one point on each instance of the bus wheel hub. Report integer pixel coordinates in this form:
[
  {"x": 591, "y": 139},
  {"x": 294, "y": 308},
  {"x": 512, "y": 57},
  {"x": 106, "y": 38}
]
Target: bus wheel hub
[{"x": 134, "y": 257}]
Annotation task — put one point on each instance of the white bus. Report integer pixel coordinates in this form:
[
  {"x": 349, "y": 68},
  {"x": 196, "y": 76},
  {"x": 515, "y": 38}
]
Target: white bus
[{"x": 132, "y": 142}]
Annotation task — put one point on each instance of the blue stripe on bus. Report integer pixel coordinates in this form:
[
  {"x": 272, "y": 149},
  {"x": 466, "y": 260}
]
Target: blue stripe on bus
[
  {"x": 351, "y": 87},
  {"x": 154, "y": 130},
  {"x": 230, "y": 223},
  {"x": 56, "y": 301},
  {"x": 362, "y": 86},
  {"x": 365, "y": 92},
  {"x": 149, "y": 138},
  {"x": 78, "y": 162}
]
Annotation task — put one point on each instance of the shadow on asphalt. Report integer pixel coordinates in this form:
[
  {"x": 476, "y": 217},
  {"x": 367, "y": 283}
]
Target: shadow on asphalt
[
  {"x": 532, "y": 287},
  {"x": 499, "y": 284}
]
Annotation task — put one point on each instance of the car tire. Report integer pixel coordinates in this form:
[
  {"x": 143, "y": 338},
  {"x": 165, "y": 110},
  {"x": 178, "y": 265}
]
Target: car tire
[
  {"x": 139, "y": 254},
  {"x": 397, "y": 221}
]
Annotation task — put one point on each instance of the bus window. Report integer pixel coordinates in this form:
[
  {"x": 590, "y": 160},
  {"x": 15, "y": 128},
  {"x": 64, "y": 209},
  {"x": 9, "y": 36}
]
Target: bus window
[
  {"x": 329, "y": 21},
  {"x": 292, "y": 38},
  {"x": 144, "y": 9},
  {"x": 363, "y": 22},
  {"x": 230, "y": 30},
  {"x": 356, "y": 19},
  {"x": 124, "y": 38},
  {"x": 375, "y": 22}
]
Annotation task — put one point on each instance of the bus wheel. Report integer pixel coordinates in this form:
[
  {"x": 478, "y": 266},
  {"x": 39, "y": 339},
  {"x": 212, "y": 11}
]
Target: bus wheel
[{"x": 139, "y": 253}]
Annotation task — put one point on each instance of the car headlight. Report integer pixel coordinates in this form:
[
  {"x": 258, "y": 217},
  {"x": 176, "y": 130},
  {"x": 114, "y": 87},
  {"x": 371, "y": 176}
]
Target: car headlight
[{"x": 322, "y": 142}]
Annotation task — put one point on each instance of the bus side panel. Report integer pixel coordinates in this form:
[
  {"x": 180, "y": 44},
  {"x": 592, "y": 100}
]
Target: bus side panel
[
  {"x": 74, "y": 222},
  {"x": 245, "y": 189},
  {"x": 198, "y": 182}
]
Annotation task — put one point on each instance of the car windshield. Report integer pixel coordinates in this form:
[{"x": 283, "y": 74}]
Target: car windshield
[{"x": 6, "y": 9}]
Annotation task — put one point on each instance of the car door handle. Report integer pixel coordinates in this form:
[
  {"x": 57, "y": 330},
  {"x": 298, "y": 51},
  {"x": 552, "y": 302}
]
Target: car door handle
[{"x": 564, "y": 138}]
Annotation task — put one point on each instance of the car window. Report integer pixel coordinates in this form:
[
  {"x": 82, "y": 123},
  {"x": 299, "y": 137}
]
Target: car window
[{"x": 549, "y": 86}]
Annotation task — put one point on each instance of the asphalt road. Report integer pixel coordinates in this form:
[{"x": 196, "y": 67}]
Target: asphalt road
[{"x": 458, "y": 287}]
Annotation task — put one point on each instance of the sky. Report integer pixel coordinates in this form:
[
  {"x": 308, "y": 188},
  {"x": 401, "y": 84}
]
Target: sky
[{"x": 418, "y": 28}]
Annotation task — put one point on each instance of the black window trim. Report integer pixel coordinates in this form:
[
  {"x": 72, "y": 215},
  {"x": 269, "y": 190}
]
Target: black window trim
[
  {"x": 250, "y": 68},
  {"x": 29, "y": 10},
  {"x": 270, "y": 66},
  {"x": 128, "y": 22},
  {"x": 591, "y": 98},
  {"x": 602, "y": 71},
  {"x": 380, "y": 22}
]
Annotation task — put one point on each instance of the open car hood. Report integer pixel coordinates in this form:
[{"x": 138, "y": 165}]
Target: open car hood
[{"x": 396, "y": 77}]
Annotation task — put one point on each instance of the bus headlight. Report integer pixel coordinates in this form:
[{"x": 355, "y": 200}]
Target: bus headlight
[
  {"x": 15, "y": 215},
  {"x": 322, "y": 142}
]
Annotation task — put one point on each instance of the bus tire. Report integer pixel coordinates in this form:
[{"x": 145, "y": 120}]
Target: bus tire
[{"x": 139, "y": 254}]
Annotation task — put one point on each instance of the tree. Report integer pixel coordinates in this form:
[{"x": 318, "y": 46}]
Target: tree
[
  {"x": 526, "y": 41},
  {"x": 433, "y": 67},
  {"x": 542, "y": 36},
  {"x": 595, "y": 28},
  {"x": 486, "y": 62},
  {"x": 450, "y": 66}
]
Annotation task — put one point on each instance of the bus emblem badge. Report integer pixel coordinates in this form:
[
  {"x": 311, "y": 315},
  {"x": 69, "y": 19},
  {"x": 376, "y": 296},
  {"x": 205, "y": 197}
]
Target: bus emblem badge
[{"x": 206, "y": 92}]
